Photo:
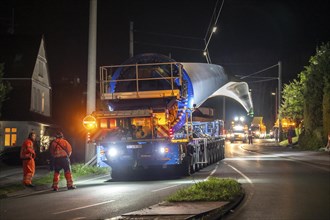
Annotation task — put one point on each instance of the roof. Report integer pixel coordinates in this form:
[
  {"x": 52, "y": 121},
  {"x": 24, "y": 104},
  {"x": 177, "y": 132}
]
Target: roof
[{"x": 19, "y": 53}]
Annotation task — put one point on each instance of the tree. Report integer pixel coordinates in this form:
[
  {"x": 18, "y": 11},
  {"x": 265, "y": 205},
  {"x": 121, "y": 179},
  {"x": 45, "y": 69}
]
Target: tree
[
  {"x": 293, "y": 101},
  {"x": 4, "y": 87},
  {"x": 316, "y": 83}
]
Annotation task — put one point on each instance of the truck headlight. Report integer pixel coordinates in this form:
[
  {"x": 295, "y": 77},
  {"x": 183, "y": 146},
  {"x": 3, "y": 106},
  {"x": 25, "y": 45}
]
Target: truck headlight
[
  {"x": 112, "y": 152},
  {"x": 163, "y": 150}
]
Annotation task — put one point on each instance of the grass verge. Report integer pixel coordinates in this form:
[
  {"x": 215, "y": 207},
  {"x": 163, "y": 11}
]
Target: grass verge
[
  {"x": 285, "y": 142},
  {"x": 213, "y": 189},
  {"x": 78, "y": 170}
]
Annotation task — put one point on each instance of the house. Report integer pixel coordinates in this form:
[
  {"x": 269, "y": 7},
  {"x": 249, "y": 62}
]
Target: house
[{"x": 28, "y": 105}]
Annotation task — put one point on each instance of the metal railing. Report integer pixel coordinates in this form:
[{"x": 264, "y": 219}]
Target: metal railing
[{"x": 152, "y": 80}]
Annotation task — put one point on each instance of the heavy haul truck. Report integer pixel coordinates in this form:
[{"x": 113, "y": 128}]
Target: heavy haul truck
[{"x": 147, "y": 121}]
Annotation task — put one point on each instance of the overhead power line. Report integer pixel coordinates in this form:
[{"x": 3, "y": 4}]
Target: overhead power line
[
  {"x": 210, "y": 33},
  {"x": 260, "y": 71},
  {"x": 259, "y": 81},
  {"x": 169, "y": 46},
  {"x": 168, "y": 35}
]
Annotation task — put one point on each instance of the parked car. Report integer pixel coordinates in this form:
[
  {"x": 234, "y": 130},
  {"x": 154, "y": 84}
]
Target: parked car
[
  {"x": 10, "y": 156},
  {"x": 238, "y": 135}
]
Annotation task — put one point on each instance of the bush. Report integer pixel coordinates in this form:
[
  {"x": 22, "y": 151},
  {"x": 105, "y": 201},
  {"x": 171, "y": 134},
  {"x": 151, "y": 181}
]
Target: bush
[{"x": 311, "y": 140}]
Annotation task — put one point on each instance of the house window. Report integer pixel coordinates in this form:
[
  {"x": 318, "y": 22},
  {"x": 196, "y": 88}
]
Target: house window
[
  {"x": 34, "y": 100},
  {"x": 10, "y": 137},
  {"x": 38, "y": 101},
  {"x": 42, "y": 102},
  {"x": 40, "y": 68}
]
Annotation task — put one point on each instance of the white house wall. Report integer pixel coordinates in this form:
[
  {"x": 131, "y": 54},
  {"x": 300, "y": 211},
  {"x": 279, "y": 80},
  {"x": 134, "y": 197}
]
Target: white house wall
[
  {"x": 41, "y": 89},
  {"x": 23, "y": 130}
]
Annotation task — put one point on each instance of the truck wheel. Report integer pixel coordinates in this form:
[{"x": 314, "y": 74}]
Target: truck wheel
[{"x": 186, "y": 168}]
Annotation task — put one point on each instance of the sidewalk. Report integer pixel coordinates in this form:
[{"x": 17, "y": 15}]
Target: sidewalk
[{"x": 14, "y": 174}]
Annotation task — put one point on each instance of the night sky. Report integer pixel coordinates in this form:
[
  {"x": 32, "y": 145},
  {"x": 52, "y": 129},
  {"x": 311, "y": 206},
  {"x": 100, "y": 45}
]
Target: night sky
[{"x": 252, "y": 35}]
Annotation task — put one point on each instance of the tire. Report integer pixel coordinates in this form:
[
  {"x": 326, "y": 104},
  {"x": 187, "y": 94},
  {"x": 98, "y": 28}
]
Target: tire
[{"x": 186, "y": 168}]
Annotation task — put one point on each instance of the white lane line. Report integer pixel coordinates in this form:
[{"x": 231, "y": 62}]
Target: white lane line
[
  {"x": 156, "y": 190},
  {"x": 242, "y": 174},
  {"x": 251, "y": 193},
  {"x": 305, "y": 163},
  {"x": 91, "y": 179},
  {"x": 213, "y": 171},
  {"x": 83, "y": 207},
  {"x": 290, "y": 158}
]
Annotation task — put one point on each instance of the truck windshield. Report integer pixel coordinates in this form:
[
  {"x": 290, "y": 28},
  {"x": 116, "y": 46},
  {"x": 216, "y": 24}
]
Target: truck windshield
[{"x": 127, "y": 128}]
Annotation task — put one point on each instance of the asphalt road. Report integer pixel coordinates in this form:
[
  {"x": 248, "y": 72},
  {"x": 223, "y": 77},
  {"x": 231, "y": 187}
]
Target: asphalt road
[
  {"x": 279, "y": 184},
  {"x": 94, "y": 199}
]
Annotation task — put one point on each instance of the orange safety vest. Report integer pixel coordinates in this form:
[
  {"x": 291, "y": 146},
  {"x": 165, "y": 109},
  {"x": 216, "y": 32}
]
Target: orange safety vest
[
  {"x": 27, "y": 151},
  {"x": 60, "y": 148}
]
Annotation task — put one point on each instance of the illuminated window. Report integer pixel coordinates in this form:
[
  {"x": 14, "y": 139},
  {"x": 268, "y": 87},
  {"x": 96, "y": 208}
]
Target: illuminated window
[
  {"x": 112, "y": 123},
  {"x": 10, "y": 137},
  {"x": 103, "y": 123},
  {"x": 42, "y": 102}
]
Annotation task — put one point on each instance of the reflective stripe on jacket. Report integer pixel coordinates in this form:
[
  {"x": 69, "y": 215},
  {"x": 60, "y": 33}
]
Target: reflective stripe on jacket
[
  {"x": 27, "y": 151},
  {"x": 57, "y": 151}
]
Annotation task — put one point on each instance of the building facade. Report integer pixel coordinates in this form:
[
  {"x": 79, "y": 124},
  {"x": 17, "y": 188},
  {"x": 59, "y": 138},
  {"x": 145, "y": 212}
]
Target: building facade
[{"x": 28, "y": 105}]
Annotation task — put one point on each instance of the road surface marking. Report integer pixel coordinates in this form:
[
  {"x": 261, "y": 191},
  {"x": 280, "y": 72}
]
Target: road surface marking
[
  {"x": 156, "y": 190},
  {"x": 242, "y": 174},
  {"x": 251, "y": 193},
  {"x": 213, "y": 171},
  {"x": 83, "y": 207},
  {"x": 91, "y": 179},
  {"x": 289, "y": 158}
]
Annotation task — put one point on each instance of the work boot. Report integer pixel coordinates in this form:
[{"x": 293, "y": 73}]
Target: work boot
[
  {"x": 55, "y": 188},
  {"x": 71, "y": 187}
]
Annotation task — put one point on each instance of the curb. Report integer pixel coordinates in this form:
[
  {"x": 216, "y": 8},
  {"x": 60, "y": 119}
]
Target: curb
[{"x": 221, "y": 212}]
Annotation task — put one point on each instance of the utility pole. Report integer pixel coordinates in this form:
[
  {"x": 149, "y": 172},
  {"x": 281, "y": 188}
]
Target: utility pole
[
  {"x": 131, "y": 41},
  {"x": 91, "y": 75},
  {"x": 224, "y": 108},
  {"x": 280, "y": 136}
]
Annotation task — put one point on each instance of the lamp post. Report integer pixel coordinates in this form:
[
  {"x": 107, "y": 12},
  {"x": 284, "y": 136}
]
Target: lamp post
[{"x": 275, "y": 106}]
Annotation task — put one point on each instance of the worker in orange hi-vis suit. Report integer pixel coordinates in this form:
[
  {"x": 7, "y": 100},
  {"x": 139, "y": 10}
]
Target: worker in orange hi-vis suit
[
  {"x": 60, "y": 150},
  {"x": 27, "y": 155}
]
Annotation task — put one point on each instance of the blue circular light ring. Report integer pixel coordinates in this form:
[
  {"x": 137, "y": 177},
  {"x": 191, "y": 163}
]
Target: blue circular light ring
[
  {"x": 183, "y": 103},
  {"x": 139, "y": 59},
  {"x": 114, "y": 77}
]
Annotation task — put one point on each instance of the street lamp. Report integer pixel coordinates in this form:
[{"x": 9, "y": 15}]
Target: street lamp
[{"x": 275, "y": 106}]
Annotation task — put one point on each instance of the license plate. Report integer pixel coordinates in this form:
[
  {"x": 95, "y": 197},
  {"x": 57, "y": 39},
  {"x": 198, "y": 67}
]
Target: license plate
[{"x": 134, "y": 146}]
